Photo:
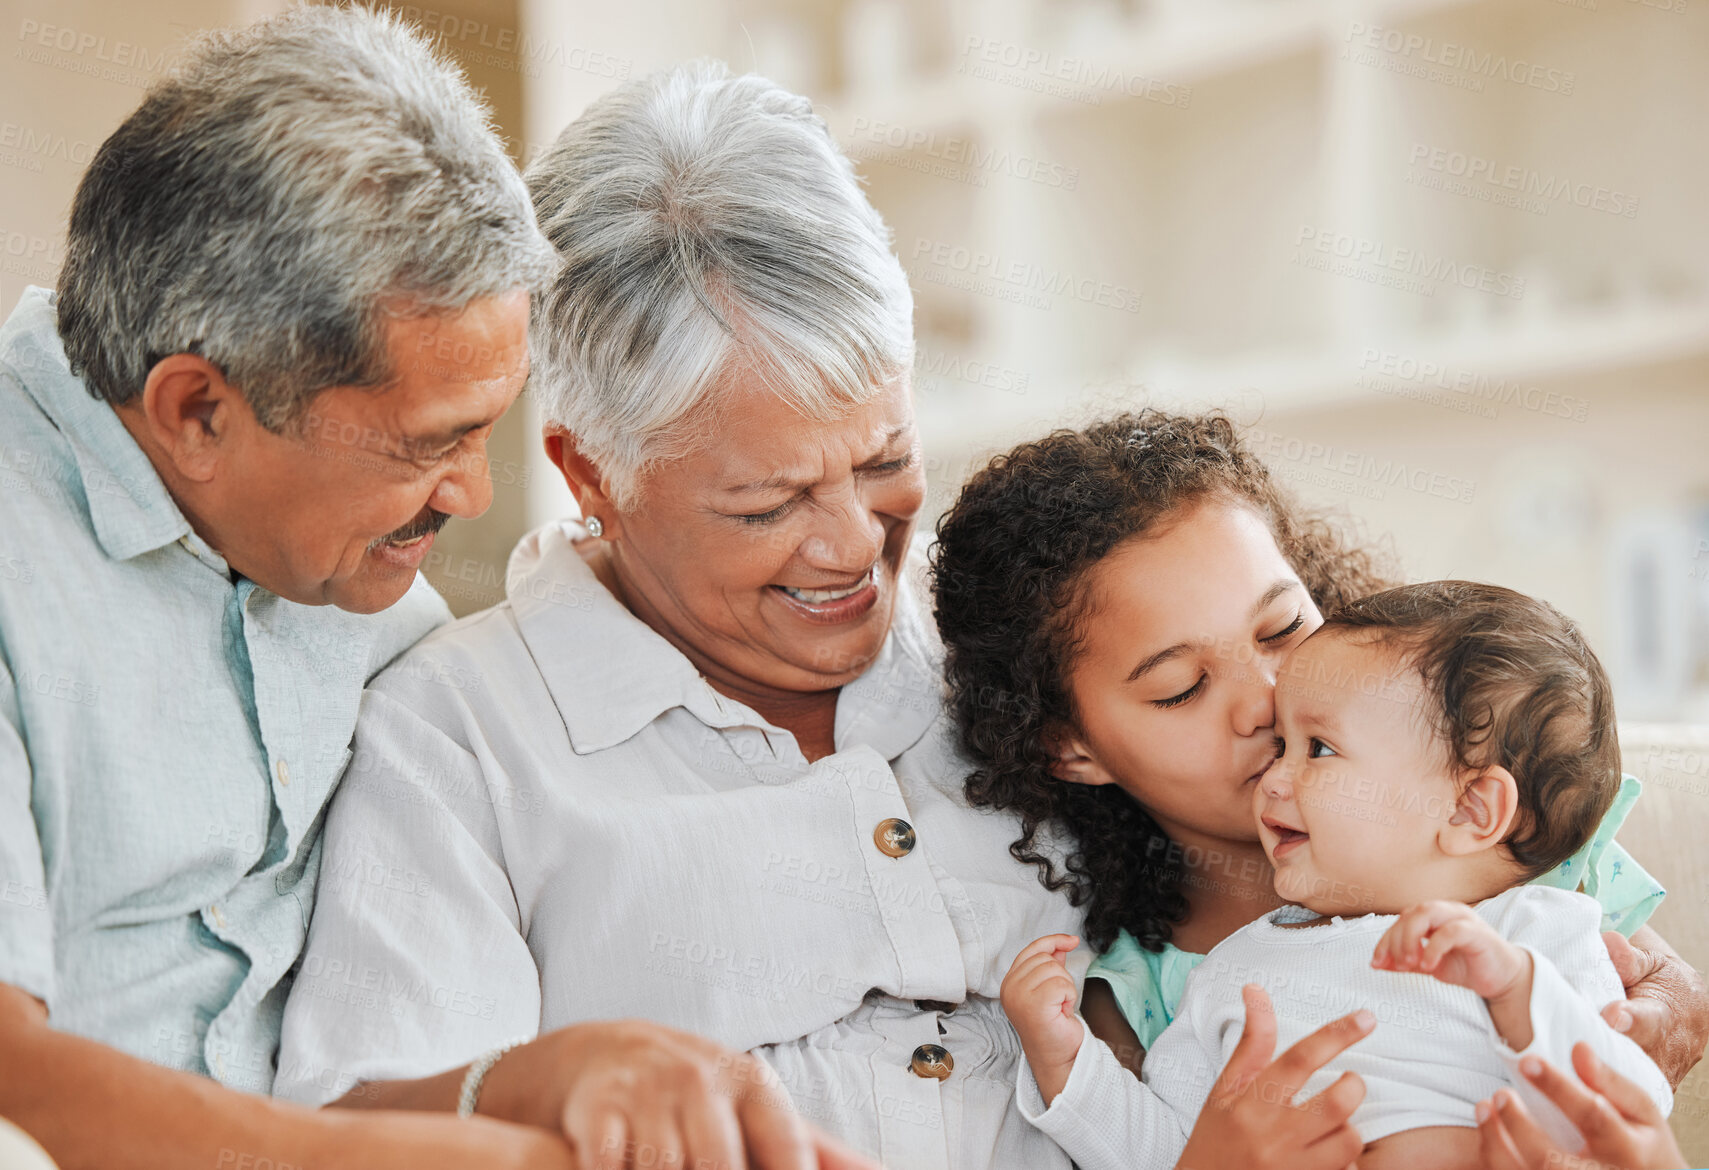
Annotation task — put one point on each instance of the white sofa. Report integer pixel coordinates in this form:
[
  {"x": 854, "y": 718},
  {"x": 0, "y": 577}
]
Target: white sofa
[{"x": 1667, "y": 832}]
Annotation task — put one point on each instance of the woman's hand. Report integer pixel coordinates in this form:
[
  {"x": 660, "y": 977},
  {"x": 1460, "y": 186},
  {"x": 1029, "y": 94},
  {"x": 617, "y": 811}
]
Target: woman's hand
[
  {"x": 1039, "y": 997},
  {"x": 1249, "y": 1121},
  {"x": 1666, "y": 1010},
  {"x": 630, "y": 1093},
  {"x": 1622, "y": 1128}
]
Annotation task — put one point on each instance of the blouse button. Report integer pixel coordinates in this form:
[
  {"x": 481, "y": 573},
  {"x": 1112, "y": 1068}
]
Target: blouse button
[
  {"x": 894, "y": 837},
  {"x": 932, "y": 1061}
]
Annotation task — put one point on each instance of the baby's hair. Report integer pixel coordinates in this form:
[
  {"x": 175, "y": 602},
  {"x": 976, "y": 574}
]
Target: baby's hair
[
  {"x": 1010, "y": 568},
  {"x": 1509, "y": 680}
]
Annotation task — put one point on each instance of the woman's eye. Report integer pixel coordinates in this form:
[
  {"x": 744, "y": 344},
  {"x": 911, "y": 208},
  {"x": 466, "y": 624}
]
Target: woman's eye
[
  {"x": 776, "y": 513},
  {"x": 1299, "y": 620},
  {"x": 1318, "y": 749},
  {"x": 1177, "y": 700}
]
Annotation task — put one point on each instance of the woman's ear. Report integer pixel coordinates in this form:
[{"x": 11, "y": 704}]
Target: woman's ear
[
  {"x": 585, "y": 481},
  {"x": 1072, "y": 759},
  {"x": 1488, "y": 802}
]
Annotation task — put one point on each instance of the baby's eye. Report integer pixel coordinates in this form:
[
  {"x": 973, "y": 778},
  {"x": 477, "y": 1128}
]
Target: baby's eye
[{"x": 1317, "y": 749}]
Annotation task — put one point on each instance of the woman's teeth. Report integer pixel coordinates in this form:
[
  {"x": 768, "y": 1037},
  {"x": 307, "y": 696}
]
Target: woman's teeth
[{"x": 820, "y": 596}]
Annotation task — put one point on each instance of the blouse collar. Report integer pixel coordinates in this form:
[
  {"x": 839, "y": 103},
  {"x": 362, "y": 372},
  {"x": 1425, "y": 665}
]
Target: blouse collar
[{"x": 611, "y": 675}]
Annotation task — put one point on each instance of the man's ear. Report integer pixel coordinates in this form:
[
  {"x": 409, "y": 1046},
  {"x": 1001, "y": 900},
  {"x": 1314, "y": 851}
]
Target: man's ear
[
  {"x": 1072, "y": 759},
  {"x": 1488, "y": 803},
  {"x": 585, "y": 481},
  {"x": 191, "y": 413}
]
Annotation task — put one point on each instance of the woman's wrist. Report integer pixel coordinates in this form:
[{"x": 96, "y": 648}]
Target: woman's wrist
[{"x": 525, "y": 1086}]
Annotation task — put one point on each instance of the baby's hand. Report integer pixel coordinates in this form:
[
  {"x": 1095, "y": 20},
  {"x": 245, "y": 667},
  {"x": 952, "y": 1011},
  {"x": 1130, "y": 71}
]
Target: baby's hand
[
  {"x": 1449, "y": 940},
  {"x": 1038, "y": 996}
]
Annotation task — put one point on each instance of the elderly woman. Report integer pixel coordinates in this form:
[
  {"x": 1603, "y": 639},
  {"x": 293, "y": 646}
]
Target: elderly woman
[{"x": 693, "y": 768}]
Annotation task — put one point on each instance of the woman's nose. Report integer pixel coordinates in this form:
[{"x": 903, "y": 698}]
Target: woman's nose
[{"x": 850, "y": 536}]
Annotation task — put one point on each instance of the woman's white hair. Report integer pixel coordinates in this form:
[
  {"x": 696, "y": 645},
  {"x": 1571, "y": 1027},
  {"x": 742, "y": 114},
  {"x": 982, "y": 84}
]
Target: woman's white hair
[{"x": 708, "y": 227}]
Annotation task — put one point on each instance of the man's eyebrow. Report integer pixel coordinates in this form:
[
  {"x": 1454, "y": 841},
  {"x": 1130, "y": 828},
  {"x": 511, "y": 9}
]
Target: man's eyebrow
[
  {"x": 1158, "y": 659},
  {"x": 774, "y": 482},
  {"x": 1277, "y": 587}
]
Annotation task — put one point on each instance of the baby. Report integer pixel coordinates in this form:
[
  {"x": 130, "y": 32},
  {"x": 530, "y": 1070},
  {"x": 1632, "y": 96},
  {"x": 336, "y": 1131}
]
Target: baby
[{"x": 1438, "y": 746}]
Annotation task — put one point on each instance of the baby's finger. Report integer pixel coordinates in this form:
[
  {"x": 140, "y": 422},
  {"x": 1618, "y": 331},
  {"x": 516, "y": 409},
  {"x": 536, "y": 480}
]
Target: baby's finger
[
  {"x": 1382, "y": 955},
  {"x": 1453, "y": 935},
  {"x": 1419, "y": 923},
  {"x": 1025, "y": 966}
]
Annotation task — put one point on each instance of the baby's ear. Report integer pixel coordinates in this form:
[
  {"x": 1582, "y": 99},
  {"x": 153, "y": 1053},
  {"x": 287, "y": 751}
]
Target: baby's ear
[
  {"x": 1072, "y": 759},
  {"x": 1488, "y": 802}
]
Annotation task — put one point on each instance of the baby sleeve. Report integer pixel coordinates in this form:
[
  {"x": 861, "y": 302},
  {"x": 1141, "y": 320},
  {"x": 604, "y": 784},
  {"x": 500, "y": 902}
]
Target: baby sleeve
[{"x": 1573, "y": 980}]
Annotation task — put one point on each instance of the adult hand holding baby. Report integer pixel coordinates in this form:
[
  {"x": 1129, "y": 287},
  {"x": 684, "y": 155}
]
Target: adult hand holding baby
[
  {"x": 1249, "y": 1121},
  {"x": 1622, "y": 1128}
]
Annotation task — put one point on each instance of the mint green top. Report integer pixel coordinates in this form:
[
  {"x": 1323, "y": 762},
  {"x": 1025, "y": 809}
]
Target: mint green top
[{"x": 1148, "y": 984}]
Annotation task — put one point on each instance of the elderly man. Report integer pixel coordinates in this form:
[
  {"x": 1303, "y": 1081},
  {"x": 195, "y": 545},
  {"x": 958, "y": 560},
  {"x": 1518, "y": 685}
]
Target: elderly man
[{"x": 295, "y": 303}]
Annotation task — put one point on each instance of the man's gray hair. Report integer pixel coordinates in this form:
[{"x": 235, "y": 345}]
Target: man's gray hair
[
  {"x": 709, "y": 228},
  {"x": 270, "y": 205}
]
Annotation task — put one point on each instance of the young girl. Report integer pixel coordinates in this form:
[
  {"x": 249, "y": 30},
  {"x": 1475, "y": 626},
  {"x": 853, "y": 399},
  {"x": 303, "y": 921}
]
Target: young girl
[{"x": 1167, "y": 537}]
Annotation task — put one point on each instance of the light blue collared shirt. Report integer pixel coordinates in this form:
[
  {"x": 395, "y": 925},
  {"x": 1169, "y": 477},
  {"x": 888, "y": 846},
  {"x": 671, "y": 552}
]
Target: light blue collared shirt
[{"x": 168, "y": 739}]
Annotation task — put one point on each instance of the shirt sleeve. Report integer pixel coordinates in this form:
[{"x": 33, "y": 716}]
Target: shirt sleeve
[
  {"x": 1604, "y": 870},
  {"x": 1573, "y": 979},
  {"x": 415, "y": 960},
  {"x": 26, "y": 925},
  {"x": 1106, "y": 1118}
]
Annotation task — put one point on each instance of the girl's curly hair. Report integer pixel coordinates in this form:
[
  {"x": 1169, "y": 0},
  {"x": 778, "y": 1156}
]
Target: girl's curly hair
[{"x": 1008, "y": 567}]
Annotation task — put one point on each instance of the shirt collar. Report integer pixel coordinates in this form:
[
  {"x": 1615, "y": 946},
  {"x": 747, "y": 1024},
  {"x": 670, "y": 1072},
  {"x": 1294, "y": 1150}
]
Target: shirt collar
[
  {"x": 611, "y": 675},
  {"x": 129, "y": 507}
]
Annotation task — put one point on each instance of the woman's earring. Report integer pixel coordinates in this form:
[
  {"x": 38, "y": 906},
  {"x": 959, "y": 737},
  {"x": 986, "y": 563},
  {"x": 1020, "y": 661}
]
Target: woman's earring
[{"x": 594, "y": 526}]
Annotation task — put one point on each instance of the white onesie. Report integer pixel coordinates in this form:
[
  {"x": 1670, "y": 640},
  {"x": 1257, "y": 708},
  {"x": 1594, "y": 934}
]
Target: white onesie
[{"x": 1432, "y": 1056}]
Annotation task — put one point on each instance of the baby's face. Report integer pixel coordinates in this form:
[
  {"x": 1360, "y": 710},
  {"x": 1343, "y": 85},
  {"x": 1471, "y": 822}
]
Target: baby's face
[{"x": 1350, "y": 811}]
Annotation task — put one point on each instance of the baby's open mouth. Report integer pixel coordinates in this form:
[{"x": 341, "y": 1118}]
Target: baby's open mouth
[{"x": 1286, "y": 835}]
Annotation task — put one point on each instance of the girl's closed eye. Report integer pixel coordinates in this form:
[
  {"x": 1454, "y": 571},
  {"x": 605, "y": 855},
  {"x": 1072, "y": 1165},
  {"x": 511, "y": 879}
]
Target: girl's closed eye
[
  {"x": 1177, "y": 700},
  {"x": 1283, "y": 634}
]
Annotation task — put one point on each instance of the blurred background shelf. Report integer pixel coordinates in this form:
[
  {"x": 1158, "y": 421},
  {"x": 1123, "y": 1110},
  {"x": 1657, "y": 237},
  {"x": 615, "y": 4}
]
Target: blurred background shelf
[{"x": 1462, "y": 236}]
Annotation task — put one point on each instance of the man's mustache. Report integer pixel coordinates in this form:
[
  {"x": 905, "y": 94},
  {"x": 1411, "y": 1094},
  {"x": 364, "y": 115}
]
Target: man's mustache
[{"x": 429, "y": 521}]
